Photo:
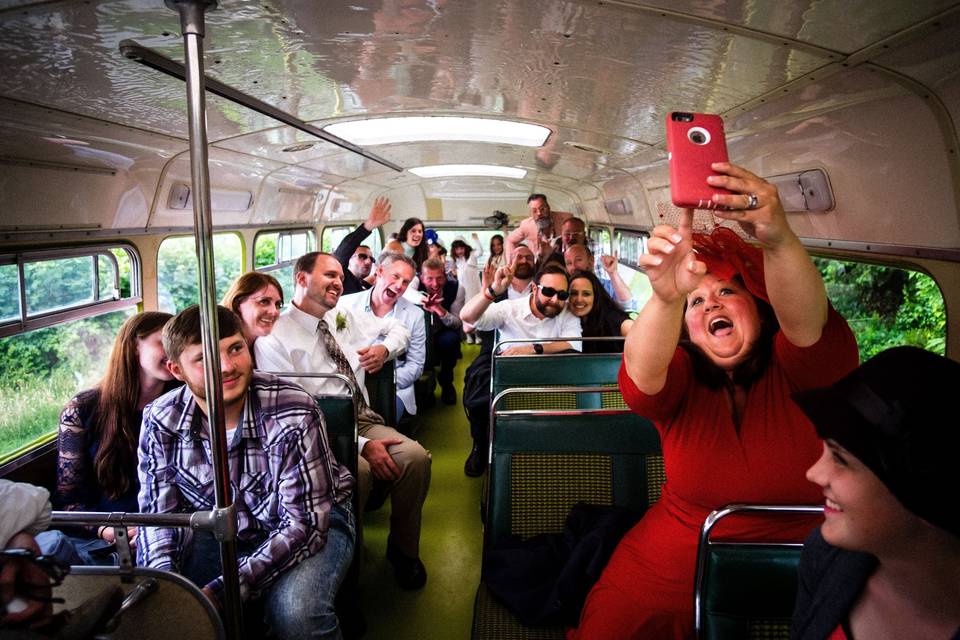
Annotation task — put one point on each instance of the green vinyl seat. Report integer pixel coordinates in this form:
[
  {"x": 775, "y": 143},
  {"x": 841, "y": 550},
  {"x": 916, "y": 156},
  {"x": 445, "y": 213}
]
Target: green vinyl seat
[{"x": 746, "y": 590}]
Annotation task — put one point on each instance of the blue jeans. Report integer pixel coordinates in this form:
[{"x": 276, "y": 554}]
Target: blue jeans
[
  {"x": 76, "y": 550},
  {"x": 300, "y": 603}
]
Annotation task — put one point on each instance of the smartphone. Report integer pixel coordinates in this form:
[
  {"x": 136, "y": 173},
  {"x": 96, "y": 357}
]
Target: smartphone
[{"x": 694, "y": 142}]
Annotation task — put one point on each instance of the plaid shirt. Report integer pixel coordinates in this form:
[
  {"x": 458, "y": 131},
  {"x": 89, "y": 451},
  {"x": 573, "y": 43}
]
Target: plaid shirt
[{"x": 283, "y": 477}]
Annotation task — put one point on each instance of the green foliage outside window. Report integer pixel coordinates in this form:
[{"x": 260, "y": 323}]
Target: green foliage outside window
[
  {"x": 177, "y": 269},
  {"x": 886, "y": 306}
]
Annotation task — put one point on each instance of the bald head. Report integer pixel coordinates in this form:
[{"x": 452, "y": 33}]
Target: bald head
[{"x": 578, "y": 258}]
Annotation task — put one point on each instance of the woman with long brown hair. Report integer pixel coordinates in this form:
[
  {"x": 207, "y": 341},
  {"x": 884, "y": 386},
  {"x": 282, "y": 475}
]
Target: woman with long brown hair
[
  {"x": 411, "y": 237},
  {"x": 98, "y": 437},
  {"x": 257, "y": 298}
]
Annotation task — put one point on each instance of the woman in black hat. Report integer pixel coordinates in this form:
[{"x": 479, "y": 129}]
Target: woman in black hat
[{"x": 886, "y": 561}]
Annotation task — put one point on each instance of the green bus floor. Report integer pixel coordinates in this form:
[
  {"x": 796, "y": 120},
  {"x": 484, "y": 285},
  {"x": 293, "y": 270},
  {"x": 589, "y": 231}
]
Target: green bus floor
[{"x": 451, "y": 539}]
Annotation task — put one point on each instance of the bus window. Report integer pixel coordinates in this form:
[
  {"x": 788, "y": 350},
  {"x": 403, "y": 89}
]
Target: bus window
[
  {"x": 332, "y": 236},
  {"x": 57, "y": 331},
  {"x": 630, "y": 246},
  {"x": 886, "y": 306},
  {"x": 9, "y": 293},
  {"x": 275, "y": 252},
  {"x": 177, "y": 286},
  {"x": 600, "y": 242}
]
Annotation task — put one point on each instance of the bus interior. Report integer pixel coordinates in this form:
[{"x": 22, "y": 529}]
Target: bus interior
[{"x": 454, "y": 111}]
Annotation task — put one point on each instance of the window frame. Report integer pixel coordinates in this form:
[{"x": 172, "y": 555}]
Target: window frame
[
  {"x": 30, "y": 322},
  {"x": 276, "y": 266}
]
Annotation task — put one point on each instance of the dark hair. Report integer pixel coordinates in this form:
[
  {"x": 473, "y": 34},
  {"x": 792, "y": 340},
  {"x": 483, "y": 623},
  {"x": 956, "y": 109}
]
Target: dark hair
[
  {"x": 183, "y": 329},
  {"x": 116, "y": 422},
  {"x": 537, "y": 196},
  {"x": 467, "y": 249},
  {"x": 548, "y": 268},
  {"x": 420, "y": 252},
  {"x": 307, "y": 262},
  {"x": 502, "y": 248},
  {"x": 756, "y": 362},
  {"x": 605, "y": 312},
  {"x": 247, "y": 285}
]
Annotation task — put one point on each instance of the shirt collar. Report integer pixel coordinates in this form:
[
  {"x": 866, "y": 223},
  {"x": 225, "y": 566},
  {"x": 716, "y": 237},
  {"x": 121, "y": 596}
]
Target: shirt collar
[
  {"x": 308, "y": 322},
  {"x": 192, "y": 419}
]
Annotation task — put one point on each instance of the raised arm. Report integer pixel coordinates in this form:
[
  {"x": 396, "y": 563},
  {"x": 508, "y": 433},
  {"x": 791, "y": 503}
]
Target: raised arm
[
  {"x": 796, "y": 290},
  {"x": 474, "y": 308},
  {"x": 610, "y": 266},
  {"x": 378, "y": 216},
  {"x": 674, "y": 271}
]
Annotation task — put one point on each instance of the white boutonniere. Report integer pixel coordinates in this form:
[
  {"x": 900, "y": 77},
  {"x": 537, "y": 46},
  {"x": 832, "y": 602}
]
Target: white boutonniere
[{"x": 341, "y": 321}]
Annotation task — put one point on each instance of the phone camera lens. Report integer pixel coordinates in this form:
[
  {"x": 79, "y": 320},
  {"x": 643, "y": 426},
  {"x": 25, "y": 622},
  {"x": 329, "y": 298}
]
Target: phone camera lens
[{"x": 698, "y": 136}]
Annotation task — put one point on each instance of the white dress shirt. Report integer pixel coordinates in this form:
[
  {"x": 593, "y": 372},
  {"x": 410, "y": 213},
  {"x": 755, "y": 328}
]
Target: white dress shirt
[
  {"x": 411, "y": 315},
  {"x": 516, "y": 320},
  {"x": 295, "y": 345}
]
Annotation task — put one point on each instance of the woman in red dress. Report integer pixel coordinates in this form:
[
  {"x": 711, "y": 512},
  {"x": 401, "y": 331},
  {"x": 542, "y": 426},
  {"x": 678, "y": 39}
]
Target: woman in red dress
[{"x": 729, "y": 333}]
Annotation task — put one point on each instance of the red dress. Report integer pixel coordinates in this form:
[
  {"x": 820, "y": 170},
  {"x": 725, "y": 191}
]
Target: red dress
[{"x": 646, "y": 591}]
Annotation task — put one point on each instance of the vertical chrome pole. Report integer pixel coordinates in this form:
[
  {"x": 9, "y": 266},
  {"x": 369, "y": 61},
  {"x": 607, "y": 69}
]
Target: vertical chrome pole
[{"x": 192, "y": 25}]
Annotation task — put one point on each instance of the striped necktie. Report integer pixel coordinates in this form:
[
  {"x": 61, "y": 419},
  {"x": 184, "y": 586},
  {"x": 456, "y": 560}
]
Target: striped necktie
[{"x": 343, "y": 367}]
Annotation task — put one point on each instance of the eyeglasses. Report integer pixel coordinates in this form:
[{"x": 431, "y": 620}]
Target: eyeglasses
[{"x": 550, "y": 292}]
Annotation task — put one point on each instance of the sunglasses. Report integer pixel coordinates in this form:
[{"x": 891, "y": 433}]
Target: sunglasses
[
  {"x": 364, "y": 256},
  {"x": 550, "y": 292}
]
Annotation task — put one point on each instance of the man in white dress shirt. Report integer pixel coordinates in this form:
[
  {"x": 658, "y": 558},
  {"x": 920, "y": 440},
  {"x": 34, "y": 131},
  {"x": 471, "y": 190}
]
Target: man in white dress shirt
[
  {"x": 385, "y": 300},
  {"x": 540, "y": 314},
  {"x": 316, "y": 336}
]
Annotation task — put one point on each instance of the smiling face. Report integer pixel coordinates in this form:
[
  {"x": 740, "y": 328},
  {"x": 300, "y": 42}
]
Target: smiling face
[
  {"x": 392, "y": 281},
  {"x": 153, "y": 360},
  {"x": 572, "y": 232},
  {"x": 577, "y": 258},
  {"x": 722, "y": 319},
  {"x": 581, "y": 297},
  {"x": 319, "y": 290},
  {"x": 496, "y": 246},
  {"x": 236, "y": 369},
  {"x": 433, "y": 279},
  {"x": 415, "y": 235},
  {"x": 259, "y": 311},
  {"x": 550, "y": 306},
  {"x": 860, "y": 513}
]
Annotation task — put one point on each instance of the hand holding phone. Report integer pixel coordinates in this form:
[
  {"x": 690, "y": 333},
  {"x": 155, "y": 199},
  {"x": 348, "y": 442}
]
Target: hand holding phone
[{"x": 694, "y": 142}]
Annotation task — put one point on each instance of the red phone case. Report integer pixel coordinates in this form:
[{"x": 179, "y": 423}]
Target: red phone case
[{"x": 692, "y": 147}]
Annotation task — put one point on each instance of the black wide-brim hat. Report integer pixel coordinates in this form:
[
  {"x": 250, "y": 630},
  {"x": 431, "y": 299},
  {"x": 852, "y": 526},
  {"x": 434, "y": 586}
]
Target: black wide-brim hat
[{"x": 896, "y": 414}]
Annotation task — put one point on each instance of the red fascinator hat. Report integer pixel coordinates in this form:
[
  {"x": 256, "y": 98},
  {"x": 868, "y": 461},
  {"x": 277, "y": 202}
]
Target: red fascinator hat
[{"x": 727, "y": 255}]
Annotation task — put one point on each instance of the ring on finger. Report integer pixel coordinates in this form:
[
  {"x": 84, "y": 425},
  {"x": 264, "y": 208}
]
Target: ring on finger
[{"x": 752, "y": 201}]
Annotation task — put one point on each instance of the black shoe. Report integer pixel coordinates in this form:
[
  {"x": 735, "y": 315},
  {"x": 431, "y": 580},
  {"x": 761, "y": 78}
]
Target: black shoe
[
  {"x": 409, "y": 572},
  {"x": 448, "y": 394},
  {"x": 476, "y": 463}
]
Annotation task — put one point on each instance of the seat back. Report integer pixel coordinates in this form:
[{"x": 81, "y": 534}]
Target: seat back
[
  {"x": 173, "y": 608},
  {"x": 545, "y": 462},
  {"x": 746, "y": 589},
  {"x": 556, "y": 370},
  {"x": 382, "y": 391}
]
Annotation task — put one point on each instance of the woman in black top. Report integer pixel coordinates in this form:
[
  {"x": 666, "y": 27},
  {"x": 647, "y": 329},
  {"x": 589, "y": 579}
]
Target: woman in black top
[
  {"x": 98, "y": 439},
  {"x": 599, "y": 314},
  {"x": 886, "y": 561}
]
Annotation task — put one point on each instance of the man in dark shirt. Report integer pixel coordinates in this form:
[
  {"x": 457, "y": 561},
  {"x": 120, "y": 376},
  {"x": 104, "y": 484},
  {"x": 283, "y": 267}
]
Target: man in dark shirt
[
  {"x": 443, "y": 300},
  {"x": 356, "y": 258}
]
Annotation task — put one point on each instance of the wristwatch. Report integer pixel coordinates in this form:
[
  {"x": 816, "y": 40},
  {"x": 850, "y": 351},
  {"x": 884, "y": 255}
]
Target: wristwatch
[
  {"x": 537, "y": 348},
  {"x": 493, "y": 294}
]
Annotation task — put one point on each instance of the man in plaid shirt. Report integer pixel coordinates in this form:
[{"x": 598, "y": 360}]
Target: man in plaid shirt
[{"x": 296, "y": 530}]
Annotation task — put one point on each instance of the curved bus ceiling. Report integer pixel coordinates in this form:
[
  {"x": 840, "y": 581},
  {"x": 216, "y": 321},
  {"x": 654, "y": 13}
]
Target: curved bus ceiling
[{"x": 866, "y": 89}]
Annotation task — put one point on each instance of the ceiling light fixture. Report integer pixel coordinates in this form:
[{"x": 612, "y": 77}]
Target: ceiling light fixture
[
  {"x": 372, "y": 131},
  {"x": 491, "y": 170}
]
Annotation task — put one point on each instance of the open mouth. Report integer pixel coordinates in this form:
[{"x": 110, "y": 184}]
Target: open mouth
[
  {"x": 390, "y": 293},
  {"x": 720, "y": 326},
  {"x": 833, "y": 505}
]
